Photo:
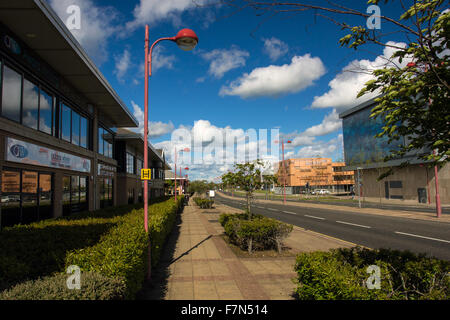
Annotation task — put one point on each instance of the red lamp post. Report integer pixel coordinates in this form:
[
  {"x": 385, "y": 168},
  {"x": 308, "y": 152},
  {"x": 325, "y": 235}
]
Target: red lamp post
[
  {"x": 186, "y": 39},
  {"x": 284, "y": 169}
]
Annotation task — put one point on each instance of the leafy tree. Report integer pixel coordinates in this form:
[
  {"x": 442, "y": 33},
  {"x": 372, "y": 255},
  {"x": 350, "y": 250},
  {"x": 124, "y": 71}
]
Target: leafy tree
[
  {"x": 247, "y": 177},
  {"x": 414, "y": 99}
]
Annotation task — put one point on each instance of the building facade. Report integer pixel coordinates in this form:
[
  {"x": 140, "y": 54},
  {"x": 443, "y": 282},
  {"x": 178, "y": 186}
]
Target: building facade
[
  {"x": 315, "y": 173},
  {"x": 129, "y": 152},
  {"x": 182, "y": 182},
  {"x": 58, "y": 120},
  {"x": 364, "y": 154}
]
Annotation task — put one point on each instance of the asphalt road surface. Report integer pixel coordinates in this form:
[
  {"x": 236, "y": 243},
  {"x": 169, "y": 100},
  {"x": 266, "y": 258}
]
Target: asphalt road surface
[{"x": 373, "y": 231}]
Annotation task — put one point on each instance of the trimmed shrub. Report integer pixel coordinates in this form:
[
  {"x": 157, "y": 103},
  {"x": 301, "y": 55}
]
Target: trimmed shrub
[
  {"x": 123, "y": 252},
  {"x": 94, "y": 286},
  {"x": 341, "y": 274},
  {"x": 203, "y": 203},
  {"x": 111, "y": 242},
  {"x": 259, "y": 233}
]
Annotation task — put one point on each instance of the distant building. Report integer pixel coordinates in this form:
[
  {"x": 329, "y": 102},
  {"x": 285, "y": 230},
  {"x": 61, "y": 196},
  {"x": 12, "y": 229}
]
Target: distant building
[
  {"x": 364, "y": 154},
  {"x": 315, "y": 173},
  {"x": 182, "y": 182},
  {"x": 129, "y": 152}
]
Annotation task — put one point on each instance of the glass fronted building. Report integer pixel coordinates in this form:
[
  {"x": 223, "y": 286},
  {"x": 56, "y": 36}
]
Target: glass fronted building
[{"x": 58, "y": 116}]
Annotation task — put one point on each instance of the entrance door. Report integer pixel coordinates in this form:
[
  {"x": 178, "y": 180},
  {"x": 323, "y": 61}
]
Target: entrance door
[{"x": 386, "y": 189}]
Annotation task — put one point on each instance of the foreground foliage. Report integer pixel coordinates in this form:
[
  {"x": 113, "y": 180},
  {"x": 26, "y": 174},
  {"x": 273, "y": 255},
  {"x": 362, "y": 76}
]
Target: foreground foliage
[
  {"x": 258, "y": 233},
  {"x": 341, "y": 274}
]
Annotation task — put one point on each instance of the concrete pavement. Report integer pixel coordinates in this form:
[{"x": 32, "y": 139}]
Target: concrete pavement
[{"x": 199, "y": 265}]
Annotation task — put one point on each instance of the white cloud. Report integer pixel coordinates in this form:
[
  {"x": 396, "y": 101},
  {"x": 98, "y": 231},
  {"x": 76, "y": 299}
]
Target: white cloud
[
  {"x": 159, "y": 60},
  {"x": 97, "y": 26},
  {"x": 346, "y": 85},
  {"x": 122, "y": 64},
  {"x": 273, "y": 81},
  {"x": 156, "y": 129},
  {"x": 328, "y": 149},
  {"x": 223, "y": 60},
  {"x": 152, "y": 11},
  {"x": 275, "y": 48}
]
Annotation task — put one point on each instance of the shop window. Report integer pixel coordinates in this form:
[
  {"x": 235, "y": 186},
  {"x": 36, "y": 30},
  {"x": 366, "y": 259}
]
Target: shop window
[
  {"x": 106, "y": 192},
  {"x": 75, "y": 128},
  {"x": 105, "y": 142},
  {"x": 26, "y": 197},
  {"x": 130, "y": 196},
  {"x": 46, "y": 107},
  {"x": 130, "y": 163},
  {"x": 11, "y": 94},
  {"x": 75, "y": 194},
  {"x": 30, "y": 104},
  {"x": 65, "y": 123}
]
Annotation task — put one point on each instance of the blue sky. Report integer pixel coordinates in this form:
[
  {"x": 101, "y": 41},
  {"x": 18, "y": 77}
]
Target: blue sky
[{"x": 288, "y": 72}]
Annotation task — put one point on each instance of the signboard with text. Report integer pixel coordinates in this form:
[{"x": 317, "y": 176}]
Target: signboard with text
[{"x": 29, "y": 153}]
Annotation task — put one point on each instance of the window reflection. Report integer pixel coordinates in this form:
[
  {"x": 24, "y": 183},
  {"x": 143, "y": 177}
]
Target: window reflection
[
  {"x": 65, "y": 123},
  {"x": 45, "y": 112},
  {"x": 101, "y": 133},
  {"x": 83, "y": 132},
  {"x": 75, "y": 128},
  {"x": 30, "y": 104},
  {"x": 11, "y": 97}
]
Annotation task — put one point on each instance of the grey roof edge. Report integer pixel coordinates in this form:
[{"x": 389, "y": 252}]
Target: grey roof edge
[
  {"x": 358, "y": 107},
  {"x": 58, "y": 24},
  {"x": 391, "y": 163}
]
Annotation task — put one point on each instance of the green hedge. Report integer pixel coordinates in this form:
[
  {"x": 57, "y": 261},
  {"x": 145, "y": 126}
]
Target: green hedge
[
  {"x": 110, "y": 242},
  {"x": 259, "y": 233},
  {"x": 340, "y": 274},
  {"x": 204, "y": 203},
  {"x": 94, "y": 286}
]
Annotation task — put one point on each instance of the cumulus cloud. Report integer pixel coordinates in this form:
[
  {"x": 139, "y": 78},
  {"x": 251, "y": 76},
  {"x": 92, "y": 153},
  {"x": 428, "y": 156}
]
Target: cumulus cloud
[
  {"x": 153, "y": 11},
  {"x": 275, "y": 48},
  {"x": 274, "y": 81},
  {"x": 97, "y": 25},
  {"x": 327, "y": 149},
  {"x": 346, "y": 85},
  {"x": 224, "y": 60},
  {"x": 122, "y": 64},
  {"x": 156, "y": 129}
]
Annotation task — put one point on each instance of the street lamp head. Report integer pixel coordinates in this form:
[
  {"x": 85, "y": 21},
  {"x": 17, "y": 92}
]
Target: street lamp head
[{"x": 186, "y": 39}]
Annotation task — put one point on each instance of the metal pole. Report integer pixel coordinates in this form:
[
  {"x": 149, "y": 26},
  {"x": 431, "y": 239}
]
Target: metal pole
[
  {"x": 147, "y": 61},
  {"x": 438, "y": 197},
  {"x": 359, "y": 188},
  {"x": 175, "y": 174},
  {"x": 284, "y": 169}
]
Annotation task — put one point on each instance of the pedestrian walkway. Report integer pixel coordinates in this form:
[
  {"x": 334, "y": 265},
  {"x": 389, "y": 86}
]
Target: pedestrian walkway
[
  {"x": 387, "y": 212},
  {"x": 199, "y": 265}
]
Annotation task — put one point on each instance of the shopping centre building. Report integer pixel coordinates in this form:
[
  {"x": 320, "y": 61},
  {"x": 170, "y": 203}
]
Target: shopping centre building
[
  {"x": 365, "y": 155},
  {"x": 58, "y": 121},
  {"x": 314, "y": 173}
]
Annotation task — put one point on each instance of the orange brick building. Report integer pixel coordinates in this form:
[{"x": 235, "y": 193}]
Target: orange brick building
[{"x": 319, "y": 173}]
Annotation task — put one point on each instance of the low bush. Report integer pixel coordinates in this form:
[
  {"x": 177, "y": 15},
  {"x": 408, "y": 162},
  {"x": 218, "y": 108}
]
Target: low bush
[
  {"x": 123, "y": 252},
  {"x": 111, "y": 242},
  {"x": 258, "y": 233},
  {"x": 94, "y": 286},
  {"x": 341, "y": 274},
  {"x": 204, "y": 203}
]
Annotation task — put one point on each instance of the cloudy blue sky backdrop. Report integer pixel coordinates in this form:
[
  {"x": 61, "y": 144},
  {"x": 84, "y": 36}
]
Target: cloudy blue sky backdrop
[{"x": 286, "y": 72}]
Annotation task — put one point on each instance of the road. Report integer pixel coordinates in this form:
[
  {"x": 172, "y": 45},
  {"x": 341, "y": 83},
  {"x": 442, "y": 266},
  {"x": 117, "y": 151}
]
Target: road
[
  {"x": 364, "y": 204},
  {"x": 373, "y": 231}
]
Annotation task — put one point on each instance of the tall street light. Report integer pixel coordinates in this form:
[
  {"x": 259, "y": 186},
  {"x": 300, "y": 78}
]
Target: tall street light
[
  {"x": 187, "y": 40},
  {"x": 284, "y": 169}
]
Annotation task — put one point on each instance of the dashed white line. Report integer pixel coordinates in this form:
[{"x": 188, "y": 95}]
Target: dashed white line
[
  {"x": 417, "y": 236},
  {"x": 272, "y": 209},
  {"x": 320, "y": 218},
  {"x": 289, "y": 212},
  {"x": 353, "y": 224}
]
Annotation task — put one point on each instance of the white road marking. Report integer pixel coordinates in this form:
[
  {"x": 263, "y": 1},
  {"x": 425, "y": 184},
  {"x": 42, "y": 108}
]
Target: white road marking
[
  {"x": 288, "y": 212},
  {"x": 417, "y": 236},
  {"x": 272, "y": 209},
  {"x": 353, "y": 224},
  {"x": 320, "y": 218}
]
